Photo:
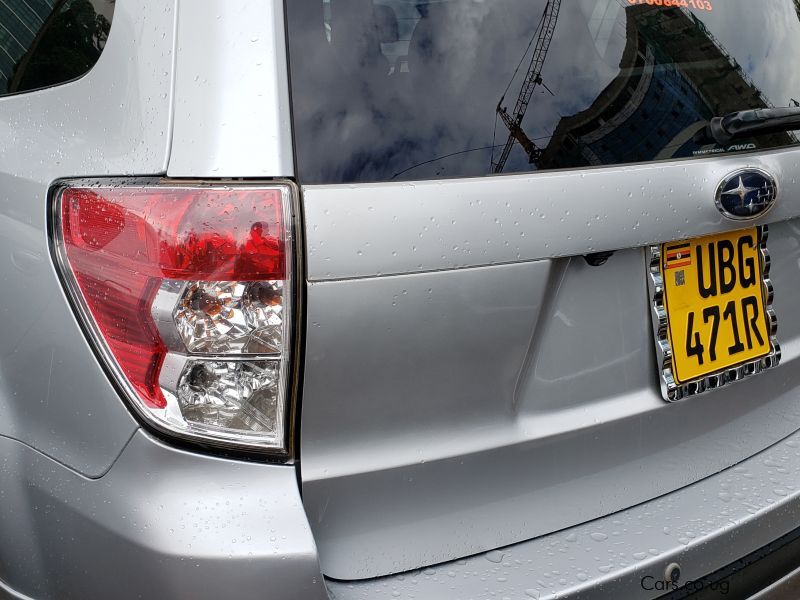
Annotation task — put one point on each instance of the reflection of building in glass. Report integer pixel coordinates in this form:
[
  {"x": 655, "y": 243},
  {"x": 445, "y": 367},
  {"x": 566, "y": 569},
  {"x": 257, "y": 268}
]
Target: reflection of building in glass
[
  {"x": 47, "y": 42},
  {"x": 20, "y": 22},
  {"x": 673, "y": 77}
]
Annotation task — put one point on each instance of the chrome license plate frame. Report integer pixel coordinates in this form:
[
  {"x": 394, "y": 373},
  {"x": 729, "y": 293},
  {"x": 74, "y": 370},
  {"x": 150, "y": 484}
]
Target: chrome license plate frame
[{"x": 673, "y": 389}]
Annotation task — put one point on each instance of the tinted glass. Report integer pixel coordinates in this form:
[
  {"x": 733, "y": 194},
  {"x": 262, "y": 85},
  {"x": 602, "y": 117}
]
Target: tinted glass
[
  {"x": 403, "y": 89},
  {"x": 47, "y": 42}
]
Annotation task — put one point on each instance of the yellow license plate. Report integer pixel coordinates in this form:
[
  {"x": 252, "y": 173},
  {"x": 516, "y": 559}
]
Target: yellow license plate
[{"x": 714, "y": 297}]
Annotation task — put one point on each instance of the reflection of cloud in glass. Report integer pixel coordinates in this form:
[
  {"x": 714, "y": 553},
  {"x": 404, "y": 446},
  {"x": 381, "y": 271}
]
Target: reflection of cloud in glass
[
  {"x": 364, "y": 112},
  {"x": 660, "y": 98}
]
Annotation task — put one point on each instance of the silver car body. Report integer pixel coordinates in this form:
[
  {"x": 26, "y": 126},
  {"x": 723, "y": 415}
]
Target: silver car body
[{"x": 444, "y": 321}]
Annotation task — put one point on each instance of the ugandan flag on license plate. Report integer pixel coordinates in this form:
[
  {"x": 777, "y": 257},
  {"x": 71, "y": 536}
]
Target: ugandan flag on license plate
[{"x": 678, "y": 255}]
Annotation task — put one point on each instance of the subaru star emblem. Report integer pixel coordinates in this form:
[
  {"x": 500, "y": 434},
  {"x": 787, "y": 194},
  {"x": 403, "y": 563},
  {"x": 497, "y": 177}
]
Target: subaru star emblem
[{"x": 746, "y": 194}]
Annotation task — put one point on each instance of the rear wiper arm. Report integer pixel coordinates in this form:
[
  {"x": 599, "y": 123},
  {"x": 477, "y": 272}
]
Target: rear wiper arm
[{"x": 743, "y": 123}]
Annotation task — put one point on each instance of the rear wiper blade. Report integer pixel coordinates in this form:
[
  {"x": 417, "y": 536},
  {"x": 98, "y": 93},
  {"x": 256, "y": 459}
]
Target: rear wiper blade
[{"x": 757, "y": 121}]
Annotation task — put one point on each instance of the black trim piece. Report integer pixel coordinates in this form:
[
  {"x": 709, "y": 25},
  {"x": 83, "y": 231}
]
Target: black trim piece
[{"x": 746, "y": 576}]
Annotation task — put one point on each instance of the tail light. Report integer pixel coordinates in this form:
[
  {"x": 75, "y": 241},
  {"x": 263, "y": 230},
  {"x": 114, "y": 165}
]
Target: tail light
[{"x": 187, "y": 292}]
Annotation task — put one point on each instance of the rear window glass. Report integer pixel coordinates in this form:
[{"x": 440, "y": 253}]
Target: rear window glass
[
  {"x": 398, "y": 90},
  {"x": 47, "y": 42}
]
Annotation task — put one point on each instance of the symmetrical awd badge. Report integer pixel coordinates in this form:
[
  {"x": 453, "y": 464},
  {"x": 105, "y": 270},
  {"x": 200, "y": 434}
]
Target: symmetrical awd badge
[{"x": 746, "y": 194}]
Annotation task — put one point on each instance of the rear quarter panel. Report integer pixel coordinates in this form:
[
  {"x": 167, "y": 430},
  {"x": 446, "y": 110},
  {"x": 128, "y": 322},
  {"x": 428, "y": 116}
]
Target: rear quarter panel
[{"x": 54, "y": 396}]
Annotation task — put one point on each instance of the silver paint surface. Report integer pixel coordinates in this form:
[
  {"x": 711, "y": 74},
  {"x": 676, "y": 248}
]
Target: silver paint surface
[
  {"x": 232, "y": 116},
  {"x": 702, "y": 527},
  {"x": 162, "y": 523},
  {"x": 114, "y": 120},
  {"x": 451, "y": 412},
  {"x": 390, "y": 228}
]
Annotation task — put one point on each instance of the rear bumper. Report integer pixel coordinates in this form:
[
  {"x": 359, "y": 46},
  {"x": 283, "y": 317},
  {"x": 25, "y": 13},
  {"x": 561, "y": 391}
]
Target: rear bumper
[
  {"x": 769, "y": 573},
  {"x": 161, "y": 523},
  {"x": 740, "y": 518},
  {"x": 164, "y": 523}
]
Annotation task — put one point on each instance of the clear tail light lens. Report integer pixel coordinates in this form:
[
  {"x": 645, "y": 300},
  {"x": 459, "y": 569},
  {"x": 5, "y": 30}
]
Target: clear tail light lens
[{"x": 187, "y": 292}]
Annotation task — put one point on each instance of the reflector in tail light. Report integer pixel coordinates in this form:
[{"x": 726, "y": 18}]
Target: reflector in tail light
[{"x": 187, "y": 293}]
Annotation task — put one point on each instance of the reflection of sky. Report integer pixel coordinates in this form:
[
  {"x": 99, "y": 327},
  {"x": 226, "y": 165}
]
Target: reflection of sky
[
  {"x": 764, "y": 37},
  {"x": 353, "y": 123}
]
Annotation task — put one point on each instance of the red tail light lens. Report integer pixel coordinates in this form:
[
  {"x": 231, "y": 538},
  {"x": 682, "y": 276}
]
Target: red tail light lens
[{"x": 187, "y": 290}]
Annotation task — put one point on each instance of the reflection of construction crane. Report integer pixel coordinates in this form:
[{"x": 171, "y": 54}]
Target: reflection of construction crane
[{"x": 513, "y": 122}]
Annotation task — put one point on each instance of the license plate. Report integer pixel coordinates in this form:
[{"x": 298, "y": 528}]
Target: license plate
[{"x": 713, "y": 317}]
